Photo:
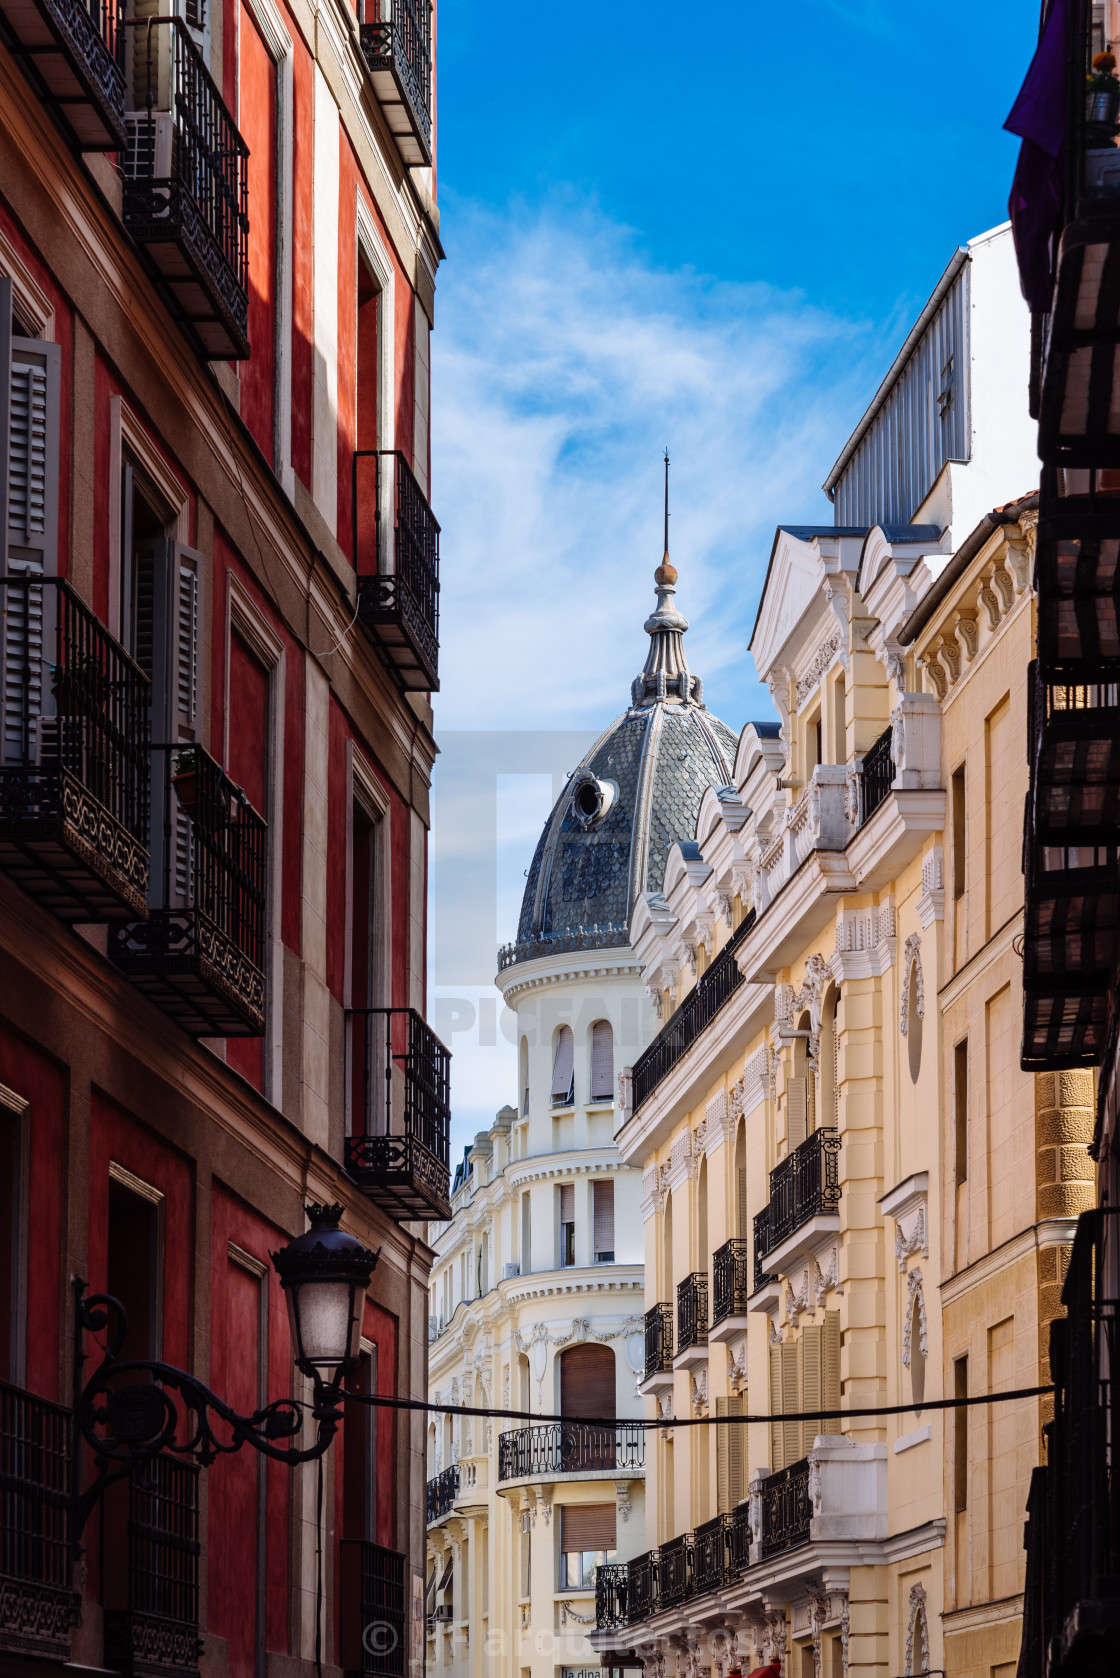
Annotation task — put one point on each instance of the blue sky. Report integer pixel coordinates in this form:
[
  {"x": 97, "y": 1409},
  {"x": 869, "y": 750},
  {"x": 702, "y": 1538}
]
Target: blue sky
[{"x": 702, "y": 226}]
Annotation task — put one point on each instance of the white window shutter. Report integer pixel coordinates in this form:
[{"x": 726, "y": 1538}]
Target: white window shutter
[
  {"x": 602, "y": 1061},
  {"x": 563, "y": 1067},
  {"x": 796, "y": 1113},
  {"x": 603, "y": 1217},
  {"x": 31, "y": 460}
]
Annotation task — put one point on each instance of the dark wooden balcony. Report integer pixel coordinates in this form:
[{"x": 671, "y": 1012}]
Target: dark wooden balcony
[
  {"x": 443, "y": 1489},
  {"x": 692, "y": 1311},
  {"x": 38, "y": 1604},
  {"x": 659, "y": 1339},
  {"x": 731, "y": 1279},
  {"x": 373, "y": 1624},
  {"x": 696, "y": 1012},
  {"x": 539, "y": 1453},
  {"x": 786, "y": 1509},
  {"x": 396, "y": 557},
  {"x": 674, "y": 1570},
  {"x": 396, "y": 37},
  {"x": 200, "y": 954},
  {"x": 186, "y": 187},
  {"x": 74, "y": 51},
  {"x": 398, "y": 1152},
  {"x": 73, "y": 758},
  {"x": 151, "y": 1571},
  {"x": 803, "y": 1185},
  {"x": 1071, "y": 1605}
]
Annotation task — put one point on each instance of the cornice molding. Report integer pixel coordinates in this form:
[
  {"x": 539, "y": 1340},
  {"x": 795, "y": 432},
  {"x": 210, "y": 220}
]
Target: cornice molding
[
  {"x": 998, "y": 946},
  {"x": 1049, "y": 1232}
]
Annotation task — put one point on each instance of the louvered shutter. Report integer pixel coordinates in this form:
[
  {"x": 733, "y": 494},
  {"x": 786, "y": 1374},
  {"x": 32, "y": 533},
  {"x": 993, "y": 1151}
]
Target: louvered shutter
[
  {"x": 563, "y": 1067},
  {"x": 31, "y": 455},
  {"x": 744, "y": 1228},
  {"x": 830, "y": 1369},
  {"x": 587, "y": 1382},
  {"x": 602, "y": 1061},
  {"x": 587, "y": 1526},
  {"x": 168, "y": 619},
  {"x": 777, "y": 1450},
  {"x": 736, "y": 1452},
  {"x": 567, "y": 1203},
  {"x": 723, "y": 1473},
  {"x": 811, "y": 1390},
  {"x": 791, "y": 1402},
  {"x": 796, "y": 1113},
  {"x": 603, "y": 1219},
  {"x": 186, "y": 628}
]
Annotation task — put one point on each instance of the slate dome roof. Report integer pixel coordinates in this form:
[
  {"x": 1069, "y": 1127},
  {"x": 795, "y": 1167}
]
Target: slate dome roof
[{"x": 637, "y": 790}]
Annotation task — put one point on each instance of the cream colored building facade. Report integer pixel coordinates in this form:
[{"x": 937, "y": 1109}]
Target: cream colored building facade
[{"x": 853, "y": 1197}]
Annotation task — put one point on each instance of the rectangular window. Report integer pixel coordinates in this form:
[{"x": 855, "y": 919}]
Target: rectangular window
[
  {"x": 960, "y": 833},
  {"x": 603, "y": 1219},
  {"x": 134, "y": 1261},
  {"x": 367, "y": 1035},
  {"x": 960, "y": 1111},
  {"x": 731, "y": 1455},
  {"x": 587, "y": 1540},
  {"x": 526, "y": 1560},
  {"x": 367, "y": 421},
  {"x": 567, "y": 1223},
  {"x": 960, "y": 1437},
  {"x": 359, "y": 1485},
  {"x": 563, "y": 1069},
  {"x": 13, "y": 1138},
  {"x": 526, "y": 1234}
]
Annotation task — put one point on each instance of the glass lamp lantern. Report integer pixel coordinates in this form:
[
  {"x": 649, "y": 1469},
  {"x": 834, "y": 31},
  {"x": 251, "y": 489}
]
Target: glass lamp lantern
[{"x": 325, "y": 1274}]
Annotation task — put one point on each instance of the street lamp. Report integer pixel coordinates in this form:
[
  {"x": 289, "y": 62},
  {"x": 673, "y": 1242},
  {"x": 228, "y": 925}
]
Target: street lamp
[{"x": 324, "y": 1274}]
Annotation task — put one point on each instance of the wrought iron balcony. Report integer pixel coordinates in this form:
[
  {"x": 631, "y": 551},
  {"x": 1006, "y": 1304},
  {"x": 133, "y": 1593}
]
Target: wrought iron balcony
[
  {"x": 150, "y": 1586},
  {"x": 674, "y": 1570},
  {"x": 1071, "y": 1612},
  {"x": 73, "y": 758},
  {"x": 396, "y": 39},
  {"x": 611, "y": 1596},
  {"x": 186, "y": 187},
  {"x": 762, "y": 1245},
  {"x": 741, "y": 1537},
  {"x": 36, "y": 1486},
  {"x": 698, "y": 1009},
  {"x": 692, "y": 1311},
  {"x": 531, "y": 1453},
  {"x": 712, "y": 1562},
  {"x": 200, "y": 953},
  {"x": 731, "y": 1279},
  {"x": 373, "y": 1606},
  {"x": 659, "y": 1339},
  {"x": 74, "y": 51},
  {"x": 786, "y": 1509},
  {"x": 804, "y": 1184},
  {"x": 645, "y": 1586},
  {"x": 398, "y": 1154},
  {"x": 396, "y": 557},
  {"x": 443, "y": 1489},
  {"x": 877, "y": 774}
]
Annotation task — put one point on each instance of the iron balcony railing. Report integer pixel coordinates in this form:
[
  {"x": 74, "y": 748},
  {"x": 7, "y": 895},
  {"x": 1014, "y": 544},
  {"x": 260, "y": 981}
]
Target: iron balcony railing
[
  {"x": 36, "y": 1559},
  {"x": 373, "y": 1607},
  {"x": 659, "y": 1339},
  {"x": 186, "y": 185},
  {"x": 805, "y": 1183},
  {"x": 73, "y": 755},
  {"x": 395, "y": 539},
  {"x": 443, "y": 1489},
  {"x": 712, "y": 1562},
  {"x": 151, "y": 1566},
  {"x": 73, "y": 52},
  {"x": 692, "y": 1311},
  {"x": 695, "y": 1013},
  {"x": 877, "y": 774},
  {"x": 1071, "y": 1614},
  {"x": 611, "y": 1596},
  {"x": 741, "y": 1537},
  {"x": 396, "y": 38},
  {"x": 398, "y": 1152},
  {"x": 645, "y": 1586},
  {"x": 674, "y": 1570},
  {"x": 731, "y": 1279},
  {"x": 200, "y": 953},
  {"x": 762, "y": 1245},
  {"x": 786, "y": 1509},
  {"x": 570, "y": 1448}
]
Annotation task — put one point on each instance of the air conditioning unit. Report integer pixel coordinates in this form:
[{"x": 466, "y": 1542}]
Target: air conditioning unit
[
  {"x": 444, "y": 1611},
  {"x": 151, "y": 146},
  {"x": 509, "y": 1270}
]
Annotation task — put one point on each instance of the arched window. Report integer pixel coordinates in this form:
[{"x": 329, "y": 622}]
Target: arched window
[
  {"x": 587, "y": 1388},
  {"x": 563, "y": 1068},
  {"x": 800, "y": 1091},
  {"x": 667, "y": 1249},
  {"x": 523, "y": 1081},
  {"x": 742, "y": 1222},
  {"x": 602, "y": 1061},
  {"x": 703, "y": 1255},
  {"x": 829, "y": 1105}
]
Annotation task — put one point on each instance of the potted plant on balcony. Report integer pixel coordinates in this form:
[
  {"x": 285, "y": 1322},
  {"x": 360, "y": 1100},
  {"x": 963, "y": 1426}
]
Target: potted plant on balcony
[
  {"x": 1103, "y": 101},
  {"x": 184, "y": 777}
]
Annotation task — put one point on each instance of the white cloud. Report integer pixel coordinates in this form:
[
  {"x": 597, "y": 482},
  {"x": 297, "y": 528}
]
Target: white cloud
[{"x": 563, "y": 363}]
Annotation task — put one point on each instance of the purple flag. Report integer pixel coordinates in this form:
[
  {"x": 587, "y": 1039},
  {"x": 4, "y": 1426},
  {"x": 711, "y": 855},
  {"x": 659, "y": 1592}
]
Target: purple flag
[{"x": 1039, "y": 116}]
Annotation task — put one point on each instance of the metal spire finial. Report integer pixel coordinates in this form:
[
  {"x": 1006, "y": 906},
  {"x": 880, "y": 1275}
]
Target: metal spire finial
[{"x": 666, "y": 501}]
